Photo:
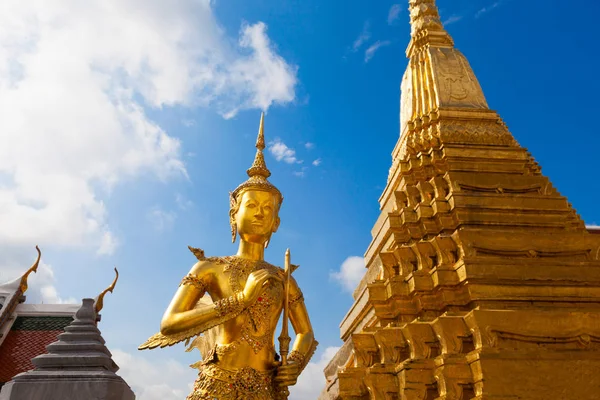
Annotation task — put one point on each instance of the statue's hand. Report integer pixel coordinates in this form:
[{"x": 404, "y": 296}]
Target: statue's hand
[
  {"x": 287, "y": 375},
  {"x": 255, "y": 283}
]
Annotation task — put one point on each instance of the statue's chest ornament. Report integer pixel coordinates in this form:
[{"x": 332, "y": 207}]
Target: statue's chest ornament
[{"x": 256, "y": 328}]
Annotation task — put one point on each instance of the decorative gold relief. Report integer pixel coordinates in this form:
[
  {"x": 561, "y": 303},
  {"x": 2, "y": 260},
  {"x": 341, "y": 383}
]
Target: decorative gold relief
[
  {"x": 533, "y": 253},
  {"x": 457, "y": 85},
  {"x": 499, "y": 189}
]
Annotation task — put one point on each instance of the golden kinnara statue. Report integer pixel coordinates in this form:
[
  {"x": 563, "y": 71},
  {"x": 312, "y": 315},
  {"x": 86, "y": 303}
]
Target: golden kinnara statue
[{"x": 229, "y": 307}]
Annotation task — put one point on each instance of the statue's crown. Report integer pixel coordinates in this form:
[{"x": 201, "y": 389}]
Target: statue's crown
[{"x": 258, "y": 172}]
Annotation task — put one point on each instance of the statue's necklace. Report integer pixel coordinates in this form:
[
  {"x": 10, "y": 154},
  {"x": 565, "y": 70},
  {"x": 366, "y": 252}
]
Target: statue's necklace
[{"x": 239, "y": 268}]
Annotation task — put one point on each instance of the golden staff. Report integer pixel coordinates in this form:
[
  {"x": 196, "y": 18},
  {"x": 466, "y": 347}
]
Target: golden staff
[{"x": 284, "y": 338}]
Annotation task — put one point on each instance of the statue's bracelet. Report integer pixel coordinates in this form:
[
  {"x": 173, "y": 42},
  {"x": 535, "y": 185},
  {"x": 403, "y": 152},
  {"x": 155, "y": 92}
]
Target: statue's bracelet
[
  {"x": 230, "y": 305},
  {"x": 297, "y": 357}
]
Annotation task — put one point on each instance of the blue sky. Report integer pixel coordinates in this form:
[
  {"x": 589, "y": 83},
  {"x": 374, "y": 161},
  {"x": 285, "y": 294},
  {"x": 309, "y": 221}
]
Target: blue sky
[{"x": 122, "y": 146}]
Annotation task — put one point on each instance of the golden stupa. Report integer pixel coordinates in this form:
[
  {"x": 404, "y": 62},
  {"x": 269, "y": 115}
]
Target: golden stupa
[{"x": 482, "y": 281}]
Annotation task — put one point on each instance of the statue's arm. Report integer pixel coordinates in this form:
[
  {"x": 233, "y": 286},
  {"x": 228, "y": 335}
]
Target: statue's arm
[
  {"x": 185, "y": 318},
  {"x": 305, "y": 343},
  {"x": 181, "y": 313}
]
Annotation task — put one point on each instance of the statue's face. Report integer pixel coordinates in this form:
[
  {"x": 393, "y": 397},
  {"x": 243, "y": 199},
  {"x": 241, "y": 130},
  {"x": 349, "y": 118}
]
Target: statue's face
[{"x": 257, "y": 217}]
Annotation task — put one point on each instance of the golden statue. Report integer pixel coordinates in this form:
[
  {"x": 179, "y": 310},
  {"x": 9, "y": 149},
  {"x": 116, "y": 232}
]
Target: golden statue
[{"x": 231, "y": 305}]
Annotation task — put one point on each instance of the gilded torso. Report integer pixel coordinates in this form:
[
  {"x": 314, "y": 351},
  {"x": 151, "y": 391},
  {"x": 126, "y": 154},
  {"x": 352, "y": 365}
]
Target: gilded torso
[{"x": 248, "y": 339}]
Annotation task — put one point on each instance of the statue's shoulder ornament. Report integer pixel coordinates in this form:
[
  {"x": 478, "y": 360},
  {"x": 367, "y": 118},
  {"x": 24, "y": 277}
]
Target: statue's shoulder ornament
[
  {"x": 199, "y": 253},
  {"x": 201, "y": 256}
]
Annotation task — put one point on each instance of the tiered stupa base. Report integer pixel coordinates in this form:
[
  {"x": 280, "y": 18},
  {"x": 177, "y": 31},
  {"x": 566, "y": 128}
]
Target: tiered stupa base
[{"x": 499, "y": 355}]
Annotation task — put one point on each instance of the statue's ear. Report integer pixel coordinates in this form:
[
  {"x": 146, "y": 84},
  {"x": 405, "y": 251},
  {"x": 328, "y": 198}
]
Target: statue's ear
[
  {"x": 233, "y": 225},
  {"x": 276, "y": 224}
]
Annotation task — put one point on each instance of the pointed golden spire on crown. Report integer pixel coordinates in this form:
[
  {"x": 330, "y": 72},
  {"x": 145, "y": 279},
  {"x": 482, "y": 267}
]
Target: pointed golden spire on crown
[
  {"x": 258, "y": 172},
  {"x": 259, "y": 168},
  {"x": 23, "y": 285}
]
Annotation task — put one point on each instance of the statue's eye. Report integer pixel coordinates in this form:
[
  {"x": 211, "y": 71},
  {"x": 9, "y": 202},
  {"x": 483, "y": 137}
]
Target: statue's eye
[
  {"x": 250, "y": 205},
  {"x": 268, "y": 208}
]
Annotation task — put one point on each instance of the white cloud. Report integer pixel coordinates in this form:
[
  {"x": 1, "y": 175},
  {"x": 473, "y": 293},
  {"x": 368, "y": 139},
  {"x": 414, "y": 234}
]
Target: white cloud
[
  {"x": 301, "y": 173},
  {"x": 160, "y": 219},
  {"x": 394, "y": 13},
  {"x": 350, "y": 273},
  {"x": 182, "y": 202},
  {"x": 74, "y": 81},
  {"x": 365, "y": 35},
  {"x": 282, "y": 152},
  {"x": 317, "y": 162},
  {"x": 43, "y": 289},
  {"x": 312, "y": 380},
  {"x": 452, "y": 19},
  {"x": 168, "y": 380},
  {"x": 108, "y": 244},
  {"x": 487, "y": 9},
  {"x": 188, "y": 123},
  {"x": 370, "y": 52},
  {"x": 309, "y": 145},
  {"x": 263, "y": 77},
  {"x": 50, "y": 296}
]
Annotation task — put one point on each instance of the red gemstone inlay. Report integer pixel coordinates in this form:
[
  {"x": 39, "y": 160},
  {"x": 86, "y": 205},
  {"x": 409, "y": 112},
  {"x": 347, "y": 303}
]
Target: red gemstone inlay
[{"x": 260, "y": 299}]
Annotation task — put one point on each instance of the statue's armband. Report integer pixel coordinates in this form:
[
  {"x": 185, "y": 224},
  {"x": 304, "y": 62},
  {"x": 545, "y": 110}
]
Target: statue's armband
[
  {"x": 296, "y": 297},
  {"x": 194, "y": 281}
]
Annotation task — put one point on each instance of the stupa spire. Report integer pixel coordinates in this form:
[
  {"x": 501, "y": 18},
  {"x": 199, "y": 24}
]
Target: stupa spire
[
  {"x": 440, "y": 91},
  {"x": 425, "y": 22}
]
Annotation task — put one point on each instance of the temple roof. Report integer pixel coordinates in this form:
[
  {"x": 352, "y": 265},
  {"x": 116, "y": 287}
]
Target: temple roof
[
  {"x": 26, "y": 329},
  {"x": 28, "y": 338}
]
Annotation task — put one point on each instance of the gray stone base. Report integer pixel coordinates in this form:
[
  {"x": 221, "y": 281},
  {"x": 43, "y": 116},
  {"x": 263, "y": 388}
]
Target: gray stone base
[{"x": 73, "y": 388}]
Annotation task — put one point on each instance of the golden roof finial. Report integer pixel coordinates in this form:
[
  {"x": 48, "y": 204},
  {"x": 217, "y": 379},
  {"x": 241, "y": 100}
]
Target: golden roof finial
[
  {"x": 99, "y": 302},
  {"x": 258, "y": 172},
  {"x": 23, "y": 285}
]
